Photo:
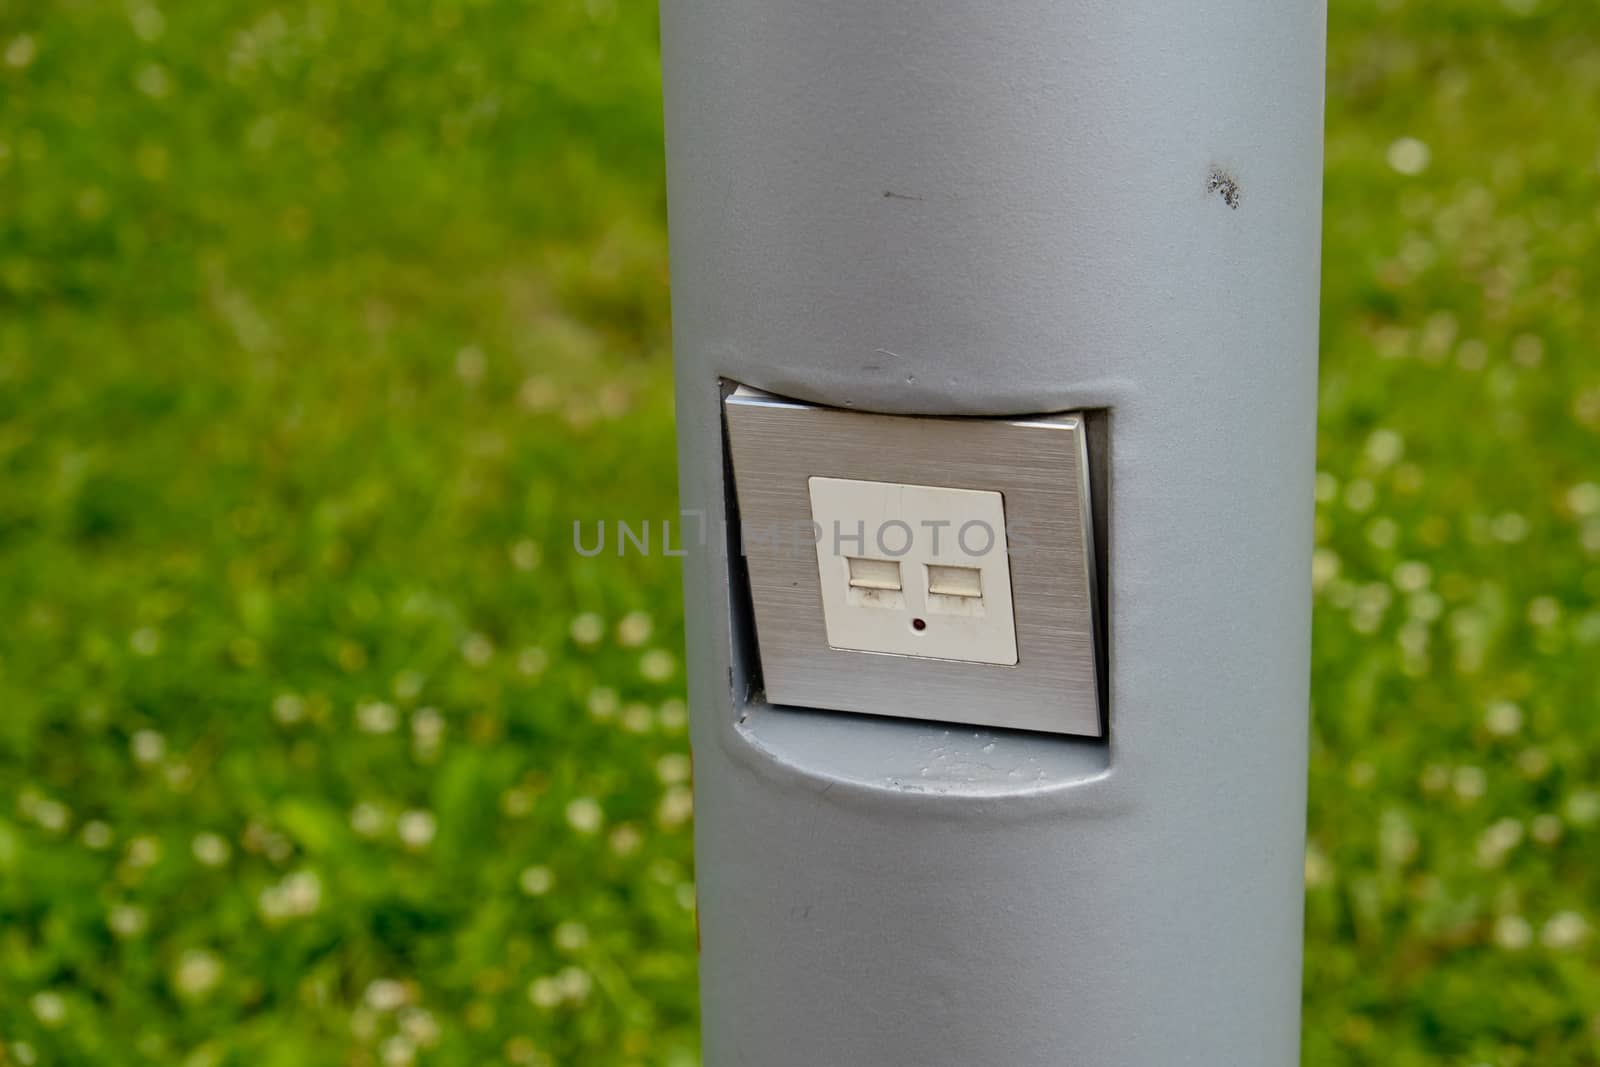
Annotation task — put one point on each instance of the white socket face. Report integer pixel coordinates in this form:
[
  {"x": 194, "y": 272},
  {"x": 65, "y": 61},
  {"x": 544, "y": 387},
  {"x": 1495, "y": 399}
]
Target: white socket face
[{"x": 914, "y": 570}]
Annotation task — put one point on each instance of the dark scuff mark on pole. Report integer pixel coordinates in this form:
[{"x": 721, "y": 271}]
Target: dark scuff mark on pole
[{"x": 1225, "y": 185}]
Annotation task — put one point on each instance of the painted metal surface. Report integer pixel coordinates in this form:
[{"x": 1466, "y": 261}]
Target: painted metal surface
[{"x": 945, "y": 208}]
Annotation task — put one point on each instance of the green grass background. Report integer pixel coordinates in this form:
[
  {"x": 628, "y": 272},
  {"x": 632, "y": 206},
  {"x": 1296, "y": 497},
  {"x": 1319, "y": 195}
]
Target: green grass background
[{"x": 320, "y": 320}]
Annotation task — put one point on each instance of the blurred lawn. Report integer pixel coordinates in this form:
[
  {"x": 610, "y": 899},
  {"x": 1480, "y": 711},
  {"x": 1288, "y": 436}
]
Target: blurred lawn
[{"x": 319, "y": 323}]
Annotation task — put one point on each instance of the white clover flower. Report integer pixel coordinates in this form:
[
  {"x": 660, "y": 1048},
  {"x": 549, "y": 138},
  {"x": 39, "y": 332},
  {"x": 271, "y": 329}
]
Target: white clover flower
[
  {"x": 1360, "y": 495},
  {"x": 386, "y": 994},
  {"x": 634, "y": 629},
  {"x": 271, "y": 905},
  {"x": 265, "y": 841},
  {"x": 420, "y": 1027},
  {"x": 143, "y": 851},
  {"x": 674, "y": 715},
  {"x": 20, "y": 51},
  {"x": 638, "y": 718},
  {"x": 574, "y": 983},
  {"x": 1414, "y": 638},
  {"x": 288, "y": 709},
  {"x": 471, "y": 364},
  {"x": 1425, "y": 606},
  {"x": 1544, "y": 611},
  {"x": 1396, "y": 838},
  {"x": 1318, "y": 869},
  {"x": 1534, "y": 762},
  {"x": 1527, "y": 350},
  {"x": 1325, "y": 567},
  {"x": 538, "y": 394},
  {"x": 1564, "y": 930},
  {"x": 148, "y": 22},
  {"x": 397, "y": 1051},
  {"x": 367, "y": 819},
  {"x": 625, "y": 839},
  {"x": 1509, "y": 527},
  {"x": 1412, "y": 576},
  {"x": 1408, "y": 156},
  {"x": 1439, "y": 335},
  {"x": 127, "y": 920},
  {"x": 1583, "y": 807},
  {"x": 1372, "y": 601},
  {"x": 1385, "y": 447},
  {"x": 1498, "y": 840},
  {"x": 210, "y": 849},
  {"x": 377, "y": 717},
  {"x": 416, "y": 828},
  {"x": 51, "y": 815},
  {"x": 536, "y": 881},
  {"x": 97, "y": 835},
  {"x": 1469, "y": 782},
  {"x": 1503, "y": 718},
  {"x": 1591, "y": 538},
  {"x": 603, "y": 702},
  {"x": 427, "y": 729},
  {"x": 544, "y": 993},
  {"x": 611, "y": 397},
  {"x": 1472, "y": 355},
  {"x": 585, "y": 815},
  {"x": 587, "y": 629},
  {"x": 657, "y": 665},
  {"x": 525, "y": 555},
  {"x": 531, "y": 662},
  {"x": 1408, "y": 478},
  {"x": 477, "y": 649},
  {"x": 1546, "y": 828},
  {"x": 1583, "y": 499},
  {"x": 148, "y": 747},
  {"x": 571, "y": 936},
  {"x": 1326, "y": 488},
  {"x": 179, "y": 776},
  {"x": 676, "y": 807},
  {"x": 198, "y": 973},
  {"x": 49, "y": 1008},
  {"x": 302, "y": 892},
  {"x": 673, "y": 768},
  {"x": 1513, "y": 932},
  {"x": 153, "y": 81}
]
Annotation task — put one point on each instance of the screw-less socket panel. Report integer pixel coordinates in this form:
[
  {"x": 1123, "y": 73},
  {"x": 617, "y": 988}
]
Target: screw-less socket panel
[
  {"x": 914, "y": 570},
  {"x": 873, "y": 580}
]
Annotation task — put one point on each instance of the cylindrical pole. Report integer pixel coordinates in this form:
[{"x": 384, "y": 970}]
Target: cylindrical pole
[{"x": 940, "y": 207}]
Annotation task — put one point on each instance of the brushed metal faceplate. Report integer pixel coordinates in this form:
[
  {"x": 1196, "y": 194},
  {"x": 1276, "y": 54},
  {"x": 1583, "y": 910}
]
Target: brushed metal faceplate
[{"x": 1040, "y": 467}]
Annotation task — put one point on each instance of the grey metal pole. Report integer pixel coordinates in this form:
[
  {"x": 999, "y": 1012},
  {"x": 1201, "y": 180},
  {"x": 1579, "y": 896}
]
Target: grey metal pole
[{"x": 948, "y": 208}]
